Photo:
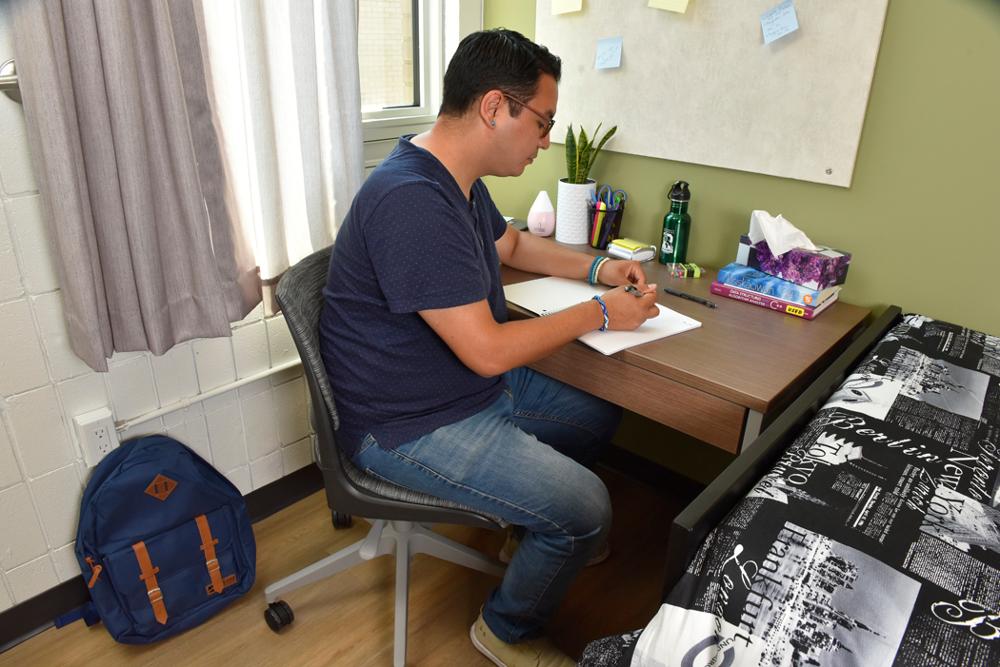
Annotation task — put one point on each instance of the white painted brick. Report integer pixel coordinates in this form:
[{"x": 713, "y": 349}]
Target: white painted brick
[
  {"x": 22, "y": 366},
  {"x": 62, "y": 359},
  {"x": 225, "y": 435},
  {"x": 213, "y": 358},
  {"x": 39, "y": 432},
  {"x": 259, "y": 423},
  {"x": 132, "y": 392},
  {"x": 57, "y": 497},
  {"x": 178, "y": 417},
  {"x": 216, "y": 403},
  {"x": 255, "y": 315},
  {"x": 193, "y": 432},
  {"x": 64, "y": 559},
  {"x": 83, "y": 394},
  {"x": 279, "y": 340},
  {"x": 10, "y": 474},
  {"x": 121, "y": 357},
  {"x": 6, "y": 601},
  {"x": 142, "y": 429},
  {"x": 286, "y": 375},
  {"x": 22, "y": 536},
  {"x": 83, "y": 471},
  {"x": 16, "y": 175},
  {"x": 241, "y": 478},
  {"x": 291, "y": 411},
  {"x": 10, "y": 275},
  {"x": 296, "y": 455},
  {"x": 32, "y": 578},
  {"x": 266, "y": 470},
  {"x": 175, "y": 375},
  {"x": 254, "y": 388},
  {"x": 250, "y": 349},
  {"x": 37, "y": 255}
]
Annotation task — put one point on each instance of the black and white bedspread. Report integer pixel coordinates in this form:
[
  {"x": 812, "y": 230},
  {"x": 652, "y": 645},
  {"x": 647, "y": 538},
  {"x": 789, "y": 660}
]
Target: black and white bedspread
[{"x": 875, "y": 540}]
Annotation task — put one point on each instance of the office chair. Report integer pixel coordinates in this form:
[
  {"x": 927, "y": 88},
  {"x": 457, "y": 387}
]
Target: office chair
[{"x": 398, "y": 513}]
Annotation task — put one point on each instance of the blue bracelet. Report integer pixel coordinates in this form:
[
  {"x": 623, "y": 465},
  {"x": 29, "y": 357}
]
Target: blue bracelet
[
  {"x": 594, "y": 268},
  {"x": 604, "y": 311}
]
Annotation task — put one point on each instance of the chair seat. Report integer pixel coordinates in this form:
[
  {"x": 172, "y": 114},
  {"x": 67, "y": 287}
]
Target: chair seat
[{"x": 384, "y": 489}]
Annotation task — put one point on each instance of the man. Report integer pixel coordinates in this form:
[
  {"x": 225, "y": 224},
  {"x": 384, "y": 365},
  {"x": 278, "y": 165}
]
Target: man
[{"x": 427, "y": 372}]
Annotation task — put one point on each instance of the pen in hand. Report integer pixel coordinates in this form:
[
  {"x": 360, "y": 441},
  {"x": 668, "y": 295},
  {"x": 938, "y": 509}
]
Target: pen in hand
[{"x": 689, "y": 297}]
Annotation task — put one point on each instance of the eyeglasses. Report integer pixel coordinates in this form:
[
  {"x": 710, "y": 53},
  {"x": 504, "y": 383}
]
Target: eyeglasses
[{"x": 549, "y": 122}]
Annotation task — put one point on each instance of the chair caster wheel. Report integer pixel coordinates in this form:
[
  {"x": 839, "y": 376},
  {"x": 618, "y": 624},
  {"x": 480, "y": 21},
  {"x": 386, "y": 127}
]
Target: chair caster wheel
[
  {"x": 341, "y": 520},
  {"x": 278, "y": 615}
]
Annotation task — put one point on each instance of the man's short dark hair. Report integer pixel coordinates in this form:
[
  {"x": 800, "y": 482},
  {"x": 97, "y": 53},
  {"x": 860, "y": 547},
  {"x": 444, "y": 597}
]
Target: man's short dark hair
[{"x": 495, "y": 59}]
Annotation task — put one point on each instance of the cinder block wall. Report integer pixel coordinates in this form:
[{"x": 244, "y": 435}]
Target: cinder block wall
[{"x": 254, "y": 434}]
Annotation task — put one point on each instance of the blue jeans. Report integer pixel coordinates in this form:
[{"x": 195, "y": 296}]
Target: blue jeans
[{"x": 520, "y": 459}]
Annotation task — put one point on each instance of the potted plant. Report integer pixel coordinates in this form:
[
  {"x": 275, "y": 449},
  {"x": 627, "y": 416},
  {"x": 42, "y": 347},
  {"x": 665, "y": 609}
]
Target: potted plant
[{"x": 577, "y": 188}]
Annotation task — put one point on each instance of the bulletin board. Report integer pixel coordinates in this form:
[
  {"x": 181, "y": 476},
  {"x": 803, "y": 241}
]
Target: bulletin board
[{"x": 702, "y": 86}]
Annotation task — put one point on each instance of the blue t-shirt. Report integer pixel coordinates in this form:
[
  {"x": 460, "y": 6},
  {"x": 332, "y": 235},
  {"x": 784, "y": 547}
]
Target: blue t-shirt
[{"x": 410, "y": 242}]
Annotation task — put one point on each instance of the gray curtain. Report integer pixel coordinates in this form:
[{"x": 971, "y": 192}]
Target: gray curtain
[{"x": 128, "y": 164}]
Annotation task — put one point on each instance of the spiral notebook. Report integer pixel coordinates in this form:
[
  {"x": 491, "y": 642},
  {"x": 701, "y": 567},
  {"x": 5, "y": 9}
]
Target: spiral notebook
[{"x": 549, "y": 295}]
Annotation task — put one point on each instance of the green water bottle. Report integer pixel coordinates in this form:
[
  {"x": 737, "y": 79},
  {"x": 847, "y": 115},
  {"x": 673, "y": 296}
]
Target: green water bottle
[{"x": 676, "y": 225}]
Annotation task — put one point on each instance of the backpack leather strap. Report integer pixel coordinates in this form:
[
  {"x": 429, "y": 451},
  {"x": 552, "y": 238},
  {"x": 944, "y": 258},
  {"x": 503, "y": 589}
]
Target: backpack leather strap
[
  {"x": 208, "y": 546},
  {"x": 148, "y": 577},
  {"x": 95, "y": 571}
]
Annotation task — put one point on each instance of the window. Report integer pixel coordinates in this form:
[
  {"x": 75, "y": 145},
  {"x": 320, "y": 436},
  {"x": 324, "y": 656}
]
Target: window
[
  {"x": 403, "y": 49},
  {"x": 388, "y": 60}
]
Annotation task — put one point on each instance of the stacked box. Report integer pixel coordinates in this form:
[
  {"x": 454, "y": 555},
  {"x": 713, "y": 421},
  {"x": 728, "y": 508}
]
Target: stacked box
[{"x": 813, "y": 269}]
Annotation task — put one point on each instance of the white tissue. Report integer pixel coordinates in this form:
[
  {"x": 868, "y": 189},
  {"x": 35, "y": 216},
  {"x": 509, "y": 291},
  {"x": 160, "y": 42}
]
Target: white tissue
[{"x": 781, "y": 235}]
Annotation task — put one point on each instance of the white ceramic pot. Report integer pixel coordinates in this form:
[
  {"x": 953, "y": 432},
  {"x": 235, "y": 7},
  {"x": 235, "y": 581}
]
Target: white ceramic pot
[{"x": 571, "y": 210}]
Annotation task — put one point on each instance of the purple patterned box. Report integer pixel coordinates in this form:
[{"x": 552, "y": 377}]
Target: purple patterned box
[{"x": 815, "y": 269}]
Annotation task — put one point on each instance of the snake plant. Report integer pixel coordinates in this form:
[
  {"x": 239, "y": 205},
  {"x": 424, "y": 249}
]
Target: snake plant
[{"x": 581, "y": 152}]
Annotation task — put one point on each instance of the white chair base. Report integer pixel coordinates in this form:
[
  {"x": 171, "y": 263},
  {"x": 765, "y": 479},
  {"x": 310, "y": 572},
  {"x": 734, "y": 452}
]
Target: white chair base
[{"x": 405, "y": 539}]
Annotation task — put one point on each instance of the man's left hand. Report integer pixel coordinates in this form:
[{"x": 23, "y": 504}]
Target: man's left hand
[{"x": 617, "y": 272}]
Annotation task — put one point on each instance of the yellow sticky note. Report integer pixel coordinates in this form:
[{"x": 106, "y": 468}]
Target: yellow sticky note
[
  {"x": 679, "y": 6},
  {"x": 566, "y": 6}
]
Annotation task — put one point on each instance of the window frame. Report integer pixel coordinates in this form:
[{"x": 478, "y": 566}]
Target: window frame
[{"x": 441, "y": 25}]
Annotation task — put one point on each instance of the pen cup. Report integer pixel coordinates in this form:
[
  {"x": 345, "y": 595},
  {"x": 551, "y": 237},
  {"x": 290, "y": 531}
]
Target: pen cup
[{"x": 605, "y": 225}]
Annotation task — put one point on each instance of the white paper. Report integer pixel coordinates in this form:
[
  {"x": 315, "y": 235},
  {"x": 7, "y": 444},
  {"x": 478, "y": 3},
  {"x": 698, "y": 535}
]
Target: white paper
[
  {"x": 781, "y": 235},
  {"x": 549, "y": 295}
]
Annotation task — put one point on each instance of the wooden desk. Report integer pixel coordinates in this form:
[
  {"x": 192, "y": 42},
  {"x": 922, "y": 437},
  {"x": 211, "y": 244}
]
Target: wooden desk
[{"x": 720, "y": 383}]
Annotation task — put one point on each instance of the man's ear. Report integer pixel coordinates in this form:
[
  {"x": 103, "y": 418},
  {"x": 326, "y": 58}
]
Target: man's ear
[{"x": 489, "y": 106}]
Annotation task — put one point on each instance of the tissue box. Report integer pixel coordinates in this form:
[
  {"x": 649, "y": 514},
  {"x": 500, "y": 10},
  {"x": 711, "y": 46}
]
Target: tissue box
[{"x": 814, "y": 269}]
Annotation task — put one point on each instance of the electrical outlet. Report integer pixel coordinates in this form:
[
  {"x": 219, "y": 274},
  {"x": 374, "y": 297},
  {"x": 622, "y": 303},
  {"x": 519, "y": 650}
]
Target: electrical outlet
[{"x": 95, "y": 431}]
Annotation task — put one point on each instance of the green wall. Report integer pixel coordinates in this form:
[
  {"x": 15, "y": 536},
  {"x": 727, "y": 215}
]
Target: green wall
[{"x": 922, "y": 216}]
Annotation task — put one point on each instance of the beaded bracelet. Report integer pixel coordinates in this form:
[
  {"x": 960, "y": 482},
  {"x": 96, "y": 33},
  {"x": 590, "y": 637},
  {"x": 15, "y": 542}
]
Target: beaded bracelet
[{"x": 604, "y": 310}]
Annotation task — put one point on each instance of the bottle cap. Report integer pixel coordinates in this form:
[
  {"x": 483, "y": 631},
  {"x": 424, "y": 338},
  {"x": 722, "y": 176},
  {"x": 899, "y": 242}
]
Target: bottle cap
[{"x": 680, "y": 192}]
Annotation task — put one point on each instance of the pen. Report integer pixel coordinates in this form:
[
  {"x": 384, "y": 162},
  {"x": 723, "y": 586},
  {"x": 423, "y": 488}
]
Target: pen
[
  {"x": 634, "y": 291},
  {"x": 689, "y": 297}
]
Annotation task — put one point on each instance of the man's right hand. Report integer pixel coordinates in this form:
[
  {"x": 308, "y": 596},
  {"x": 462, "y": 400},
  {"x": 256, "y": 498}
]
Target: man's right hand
[{"x": 627, "y": 311}]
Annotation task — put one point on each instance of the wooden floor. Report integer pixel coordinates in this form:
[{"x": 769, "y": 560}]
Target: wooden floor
[{"x": 347, "y": 619}]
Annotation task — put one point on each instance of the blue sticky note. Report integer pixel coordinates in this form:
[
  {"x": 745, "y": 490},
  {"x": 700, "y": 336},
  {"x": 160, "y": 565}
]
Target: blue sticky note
[
  {"x": 779, "y": 21},
  {"x": 609, "y": 53}
]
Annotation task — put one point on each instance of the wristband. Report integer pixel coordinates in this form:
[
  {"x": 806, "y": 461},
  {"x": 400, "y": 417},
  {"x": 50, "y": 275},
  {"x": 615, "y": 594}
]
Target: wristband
[
  {"x": 604, "y": 311},
  {"x": 592, "y": 273},
  {"x": 597, "y": 271}
]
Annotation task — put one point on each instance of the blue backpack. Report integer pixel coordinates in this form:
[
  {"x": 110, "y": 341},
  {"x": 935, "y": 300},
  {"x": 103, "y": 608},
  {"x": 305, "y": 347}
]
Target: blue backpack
[{"x": 164, "y": 540}]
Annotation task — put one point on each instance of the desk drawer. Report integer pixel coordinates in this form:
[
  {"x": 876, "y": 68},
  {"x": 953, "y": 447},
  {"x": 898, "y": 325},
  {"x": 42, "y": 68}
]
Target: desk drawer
[{"x": 708, "y": 418}]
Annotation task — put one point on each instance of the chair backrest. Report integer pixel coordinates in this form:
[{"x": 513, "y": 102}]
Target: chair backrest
[{"x": 349, "y": 490}]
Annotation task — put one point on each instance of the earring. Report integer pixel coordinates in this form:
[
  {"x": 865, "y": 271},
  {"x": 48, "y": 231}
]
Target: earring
[{"x": 493, "y": 123}]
